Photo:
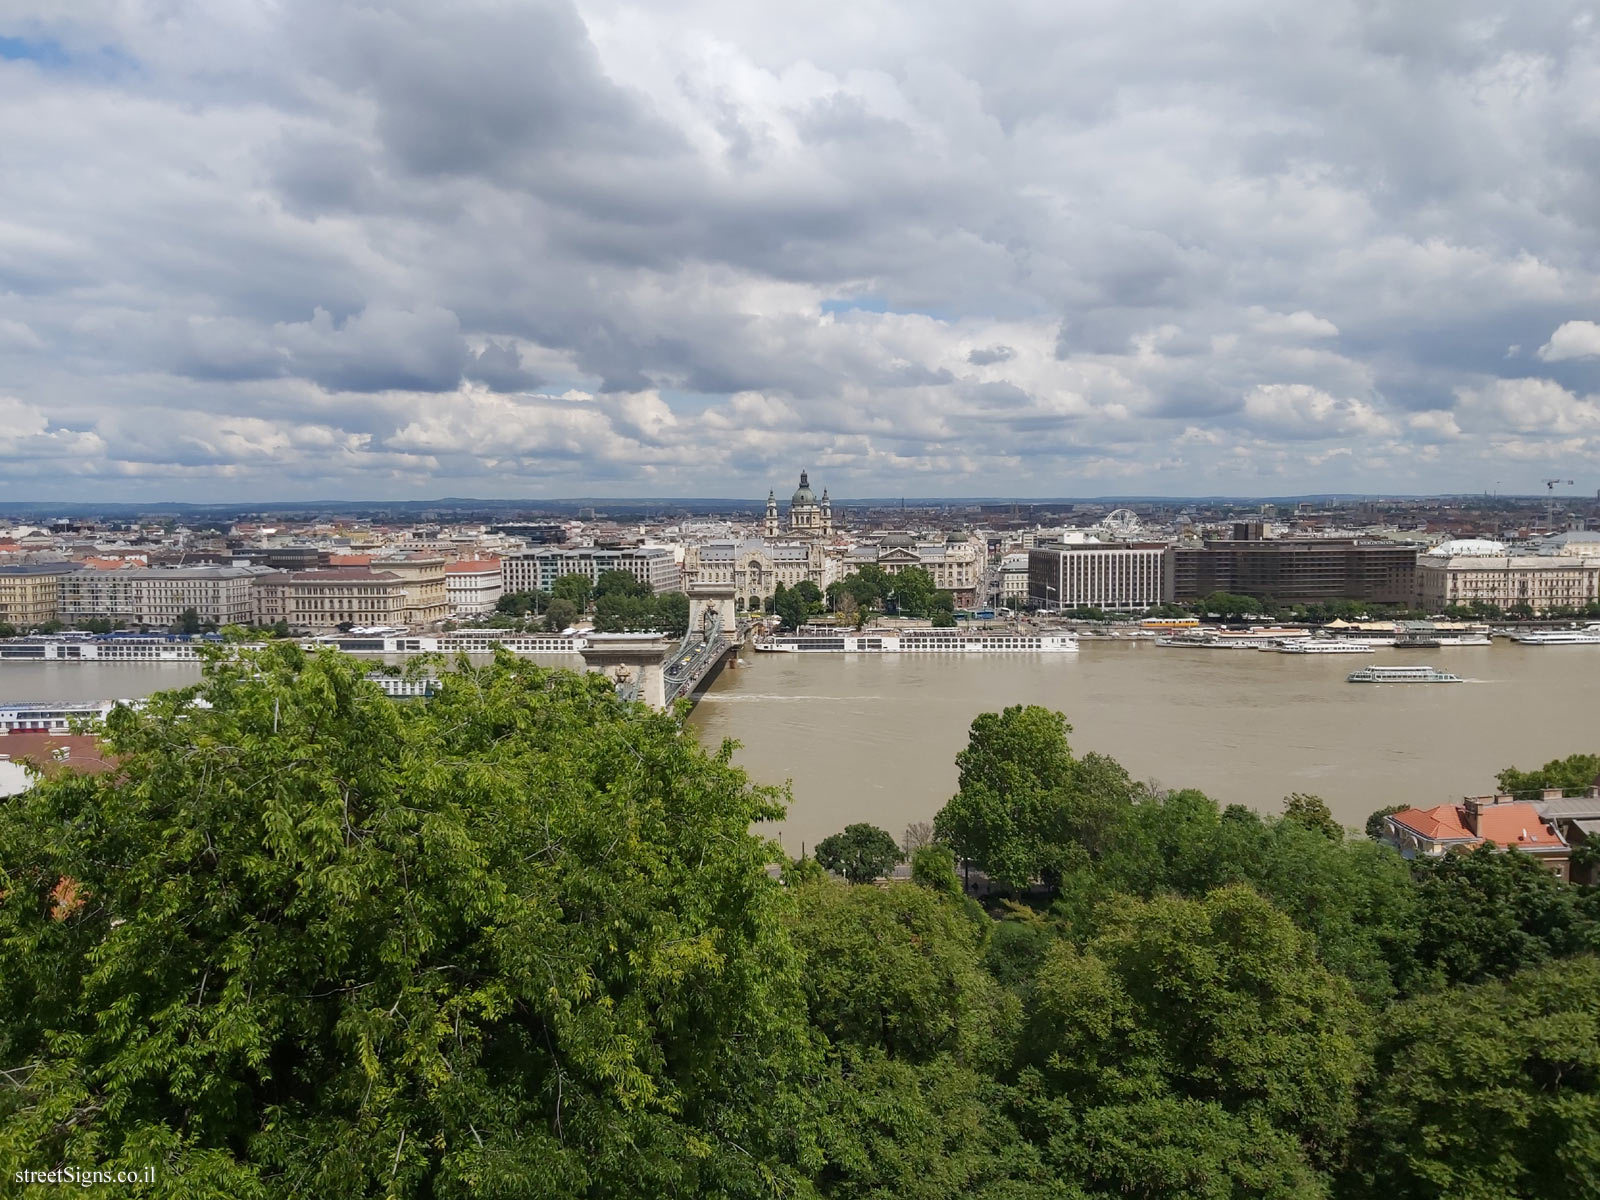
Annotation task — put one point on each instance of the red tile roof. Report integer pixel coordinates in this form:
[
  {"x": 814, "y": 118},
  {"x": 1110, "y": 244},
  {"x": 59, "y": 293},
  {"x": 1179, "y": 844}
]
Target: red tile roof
[
  {"x": 1440, "y": 823},
  {"x": 470, "y": 566},
  {"x": 1516, "y": 825},
  {"x": 54, "y": 752}
]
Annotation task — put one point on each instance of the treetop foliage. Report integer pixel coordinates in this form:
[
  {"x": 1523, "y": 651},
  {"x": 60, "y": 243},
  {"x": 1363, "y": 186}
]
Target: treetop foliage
[{"x": 520, "y": 939}]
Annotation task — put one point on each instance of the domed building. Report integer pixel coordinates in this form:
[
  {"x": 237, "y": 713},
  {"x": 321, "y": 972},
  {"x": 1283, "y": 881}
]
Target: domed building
[{"x": 809, "y": 517}]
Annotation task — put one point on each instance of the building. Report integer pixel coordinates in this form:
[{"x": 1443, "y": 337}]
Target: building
[
  {"x": 29, "y": 594},
  {"x": 1108, "y": 575},
  {"x": 756, "y": 567},
  {"x": 538, "y": 570},
  {"x": 1014, "y": 580},
  {"x": 422, "y": 575},
  {"x": 472, "y": 586},
  {"x": 1477, "y": 571},
  {"x": 159, "y": 596},
  {"x": 1297, "y": 571},
  {"x": 1502, "y": 821},
  {"x": 956, "y": 564},
  {"x": 323, "y": 600},
  {"x": 808, "y": 516}
]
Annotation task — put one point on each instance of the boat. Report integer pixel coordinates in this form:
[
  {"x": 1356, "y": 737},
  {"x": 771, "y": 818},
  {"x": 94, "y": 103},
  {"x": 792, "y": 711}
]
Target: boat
[
  {"x": 1322, "y": 646},
  {"x": 175, "y": 647},
  {"x": 823, "y": 640},
  {"x": 1402, "y": 675},
  {"x": 1559, "y": 637},
  {"x": 1257, "y": 638}
]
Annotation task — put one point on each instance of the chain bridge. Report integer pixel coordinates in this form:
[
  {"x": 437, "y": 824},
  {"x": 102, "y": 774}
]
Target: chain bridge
[{"x": 650, "y": 668}]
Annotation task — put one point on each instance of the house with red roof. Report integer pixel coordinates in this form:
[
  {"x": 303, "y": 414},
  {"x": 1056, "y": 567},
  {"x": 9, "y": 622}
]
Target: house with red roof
[{"x": 1502, "y": 821}]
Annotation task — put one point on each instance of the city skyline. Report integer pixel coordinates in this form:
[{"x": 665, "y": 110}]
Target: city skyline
[{"x": 304, "y": 253}]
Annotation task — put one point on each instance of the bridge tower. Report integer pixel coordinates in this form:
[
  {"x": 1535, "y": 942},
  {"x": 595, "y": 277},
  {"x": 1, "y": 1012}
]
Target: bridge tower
[
  {"x": 708, "y": 598},
  {"x": 631, "y": 660}
]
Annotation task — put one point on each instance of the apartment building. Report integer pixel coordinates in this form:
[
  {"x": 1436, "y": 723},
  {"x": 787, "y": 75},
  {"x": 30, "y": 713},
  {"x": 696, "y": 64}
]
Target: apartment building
[
  {"x": 756, "y": 567},
  {"x": 29, "y": 593},
  {"x": 159, "y": 596},
  {"x": 321, "y": 601}
]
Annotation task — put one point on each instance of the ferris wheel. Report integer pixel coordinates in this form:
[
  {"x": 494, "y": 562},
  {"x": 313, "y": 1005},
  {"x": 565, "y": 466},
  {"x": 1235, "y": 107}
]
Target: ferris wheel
[{"x": 1123, "y": 523}]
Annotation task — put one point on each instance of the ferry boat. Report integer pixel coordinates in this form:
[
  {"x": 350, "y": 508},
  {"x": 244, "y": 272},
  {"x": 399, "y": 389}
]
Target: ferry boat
[
  {"x": 822, "y": 640},
  {"x": 1322, "y": 646},
  {"x": 1401, "y": 675},
  {"x": 1559, "y": 637}
]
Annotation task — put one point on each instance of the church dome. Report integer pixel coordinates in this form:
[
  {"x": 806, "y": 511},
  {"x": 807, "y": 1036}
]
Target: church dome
[{"x": 803, "y": 494}]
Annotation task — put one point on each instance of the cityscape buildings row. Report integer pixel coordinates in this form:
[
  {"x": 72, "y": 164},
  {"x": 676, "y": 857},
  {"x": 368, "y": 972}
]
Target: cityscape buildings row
[{"x": 318, "y": 573}]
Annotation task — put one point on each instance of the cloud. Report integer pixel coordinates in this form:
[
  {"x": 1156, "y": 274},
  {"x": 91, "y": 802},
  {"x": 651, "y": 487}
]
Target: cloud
[
  {"x": 1296, "y": 410},
  {"x": 1572, "y": 339},
  {"x": 572, "y": 246}
]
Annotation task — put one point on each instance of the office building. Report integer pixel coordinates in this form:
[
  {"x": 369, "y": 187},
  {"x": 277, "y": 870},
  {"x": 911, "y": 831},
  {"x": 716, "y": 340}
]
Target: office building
[
  {"x": 1107, "y": 575},
  {"x": 1298, "y": 571}
]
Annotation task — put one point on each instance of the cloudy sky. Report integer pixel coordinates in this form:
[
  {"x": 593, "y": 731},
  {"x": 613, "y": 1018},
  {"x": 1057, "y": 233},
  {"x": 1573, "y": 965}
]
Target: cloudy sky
[{"x": 404, "y": 248}]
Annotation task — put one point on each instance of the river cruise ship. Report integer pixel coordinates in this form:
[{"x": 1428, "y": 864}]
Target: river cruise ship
[
  {"x": 1559, "y": 637},
  {"x": 52, "y": 716},
  {"x": 1401, "y": 675},
  {"x": 822, "y": 640},
  {"x": 176, "y": 647}
]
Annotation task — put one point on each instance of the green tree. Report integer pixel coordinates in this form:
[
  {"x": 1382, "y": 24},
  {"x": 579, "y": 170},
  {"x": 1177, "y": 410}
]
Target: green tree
[
  {"x": 561, "y": 614},
  {"x": 7, "y": 629},
  {"x": 898, "y": 971},
  {"x": 791, "y": 606},
  {"x": 1488, "y": 914},
  {"x": 1492, "y": 1090},
  {"x": 1574, "y": 775},
  {"x": 305, "y": 941},
  {"x": 672, "y": 613},
  {"x": 574, "y": 588},
  {"x": 522, "y": 604},
  {"x": 188, "y": 622},
  {"x": 1375, "y": 822},
  {"x": 617, "y": 612},
  {"x": 913, "y": 592},
  {"x": 1026, "y": 809},
  {"x": 1218, "y": 1000},
  {"x": 1312, "y": 812},
  {"x": 621, "y": 583},
  {"x": 861, "y": 853}
]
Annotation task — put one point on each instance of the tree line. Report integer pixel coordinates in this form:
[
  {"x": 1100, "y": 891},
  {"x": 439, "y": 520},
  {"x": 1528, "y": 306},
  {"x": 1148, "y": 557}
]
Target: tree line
[
  {"x": 618, "y": 600},
  {"x": 521, "y": 940}
]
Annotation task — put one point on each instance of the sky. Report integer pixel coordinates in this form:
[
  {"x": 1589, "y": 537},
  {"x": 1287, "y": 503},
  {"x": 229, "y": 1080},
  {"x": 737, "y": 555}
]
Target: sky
[{"x": 293, "y": 249}]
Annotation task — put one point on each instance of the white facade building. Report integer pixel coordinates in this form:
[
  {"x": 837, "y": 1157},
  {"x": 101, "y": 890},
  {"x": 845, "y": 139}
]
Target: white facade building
[
  {"x": 1129, "y": 575},
  {"x": 1478, "y": 571},
  {"x": 472, "y": 586}
]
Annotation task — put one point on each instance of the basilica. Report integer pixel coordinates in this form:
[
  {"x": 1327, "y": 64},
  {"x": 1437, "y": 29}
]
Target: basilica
[{"x": 808, "y": 516}]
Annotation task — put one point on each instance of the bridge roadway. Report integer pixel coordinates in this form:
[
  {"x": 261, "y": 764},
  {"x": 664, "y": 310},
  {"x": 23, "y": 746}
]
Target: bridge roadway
[{"x": 698, "y": 653}]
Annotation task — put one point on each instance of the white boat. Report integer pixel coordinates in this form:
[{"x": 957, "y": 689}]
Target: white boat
[
  {"x": 172, "y": 647},
  {"x": 1401, "y": 675},
  {"x": 52, "y": 716},
  {"x": 1321, "y": 646},
  {"x": 1257, "y": 638},
  {"x": 1559, "y": 637},
  {"x": 821, "y": 640}
]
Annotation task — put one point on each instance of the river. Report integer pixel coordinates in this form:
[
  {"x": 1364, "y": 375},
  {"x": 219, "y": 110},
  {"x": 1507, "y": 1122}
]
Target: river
[{"x": 873, "y": 737}]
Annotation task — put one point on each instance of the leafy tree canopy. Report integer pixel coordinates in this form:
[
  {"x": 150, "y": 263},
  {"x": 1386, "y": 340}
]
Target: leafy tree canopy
[
  {"x": 308, "y": 941},
  {"x": 861, "y": 853}
]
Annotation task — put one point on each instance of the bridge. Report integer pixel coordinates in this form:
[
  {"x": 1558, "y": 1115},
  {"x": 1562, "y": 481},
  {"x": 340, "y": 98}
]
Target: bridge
[{"x": 649, "y": 667}]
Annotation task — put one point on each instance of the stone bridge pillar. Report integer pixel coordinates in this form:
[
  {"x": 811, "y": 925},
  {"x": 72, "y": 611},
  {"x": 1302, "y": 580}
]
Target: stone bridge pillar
[
  {"x": 631, "y": 657},
  {"x": 708, "y": 598}
]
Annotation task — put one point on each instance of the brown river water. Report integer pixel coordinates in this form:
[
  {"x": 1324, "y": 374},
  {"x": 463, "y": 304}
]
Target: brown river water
[{"x": 873, "y": 737}]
